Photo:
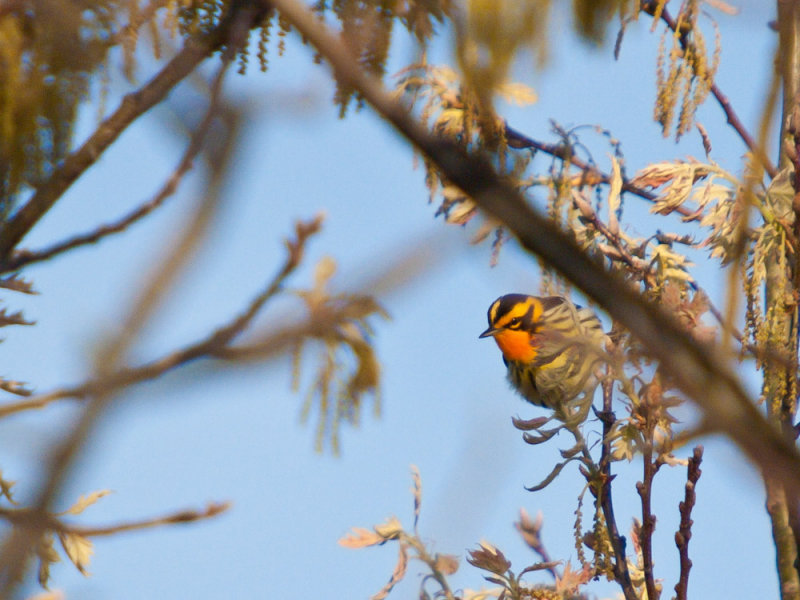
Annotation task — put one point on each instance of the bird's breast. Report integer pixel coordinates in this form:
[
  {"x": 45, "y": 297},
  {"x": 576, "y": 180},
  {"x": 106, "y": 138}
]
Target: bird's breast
[{"x": 516, "y": 345}]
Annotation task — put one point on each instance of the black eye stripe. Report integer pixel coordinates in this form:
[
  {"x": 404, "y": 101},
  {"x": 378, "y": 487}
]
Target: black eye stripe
[
  {"x": 505, "y": 312},
  {"x": 523, "y": 321}
]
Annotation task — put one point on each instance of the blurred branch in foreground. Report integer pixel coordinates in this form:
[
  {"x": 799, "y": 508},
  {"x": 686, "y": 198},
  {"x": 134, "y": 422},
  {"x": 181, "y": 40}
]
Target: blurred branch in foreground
[{"x": 31, "y": 539}]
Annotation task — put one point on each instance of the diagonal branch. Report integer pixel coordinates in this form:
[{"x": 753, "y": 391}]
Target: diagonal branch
[
  {"x": 699, "y": 369},
  {"x": 20, "y": 541},
  {"x": 23, "y": 258}
]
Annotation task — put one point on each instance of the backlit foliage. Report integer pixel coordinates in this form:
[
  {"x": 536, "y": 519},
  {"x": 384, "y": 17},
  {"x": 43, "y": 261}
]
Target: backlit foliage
[
  {"x": 348, "y": 368},
  {"x": 54, "y": 52},
  {"x": 492, "y": 33},
  {"x": 686, "y": 70},
  {"x": 453, "y": 112},
  {"x": 50, "y": 54},
  {"x": 496, "y": 568}
]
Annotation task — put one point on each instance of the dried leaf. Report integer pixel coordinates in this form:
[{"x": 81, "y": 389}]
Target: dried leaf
[
  {"x": 84, "y": 502},
  {"x": 47, "y": 556},
  {"x": 17, "y": 284},
  {"x": 15, "y": 318},
  {"x": 78, "y": 548},
  {"x": 389, "y": 530},
  {"x": 360, "y": 537},
  {"x": 20, "y": 388},
  {"x": 550, "y": 477},
  {"x": 543, "y": 435},
  {"x": 446, "y": 563},
  {"x": 570, "y": 581},
  {"x": 529, "y": 424},
  {"x": 489, "y": 558}
]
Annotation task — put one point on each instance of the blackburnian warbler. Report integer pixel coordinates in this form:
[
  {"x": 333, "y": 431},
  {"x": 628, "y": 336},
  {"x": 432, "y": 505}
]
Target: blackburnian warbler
[{"x": 551, "y": 347}]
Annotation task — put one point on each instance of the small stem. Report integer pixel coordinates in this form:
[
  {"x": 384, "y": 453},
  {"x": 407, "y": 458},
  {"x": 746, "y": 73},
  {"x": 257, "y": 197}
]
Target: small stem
[
  {"x": 621, "y": 573},
  {"x": 517, "y": 139},
  {"x": 684, "y": 533},
  {"x": 645, "y": 489}
]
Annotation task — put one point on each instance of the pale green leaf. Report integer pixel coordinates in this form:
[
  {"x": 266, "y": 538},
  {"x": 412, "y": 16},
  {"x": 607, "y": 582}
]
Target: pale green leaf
[{"x": 780, "y": 193}]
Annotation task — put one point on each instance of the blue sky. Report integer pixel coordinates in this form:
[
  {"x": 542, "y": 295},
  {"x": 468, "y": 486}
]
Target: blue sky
[{"x": 198, "y": 435}]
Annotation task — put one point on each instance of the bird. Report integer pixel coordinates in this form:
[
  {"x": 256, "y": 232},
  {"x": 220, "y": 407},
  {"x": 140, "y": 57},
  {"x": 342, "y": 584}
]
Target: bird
[{"x": 551, "y": 348}]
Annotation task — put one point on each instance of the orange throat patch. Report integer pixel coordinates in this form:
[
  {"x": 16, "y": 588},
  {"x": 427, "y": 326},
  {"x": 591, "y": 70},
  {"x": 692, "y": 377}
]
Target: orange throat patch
[{"x": 515, "y": 345}]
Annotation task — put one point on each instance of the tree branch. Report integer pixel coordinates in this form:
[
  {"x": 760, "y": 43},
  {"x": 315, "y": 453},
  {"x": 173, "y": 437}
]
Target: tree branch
[
  {"x": 20, "y": 541},
  {"x": 618, "y": 543},
  {"x": 592, "y": 174},
  {"x": 23, "y": 258},
  {"x": 26, "y": 518},
  {"x": 645, "y": 487},
  {"x": 699, "y": 369}
]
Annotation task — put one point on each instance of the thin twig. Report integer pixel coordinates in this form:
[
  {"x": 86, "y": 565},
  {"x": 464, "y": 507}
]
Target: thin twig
[
  {"x": 185, "y": 516},
  {"x": 531, "y": 532},
  {"x": 645, "y": 490},
  {"x": 19, "y": 542},
  {"x": 28, "y": 518},
  {"x": 209, "y": 346},
  {"x": 23, "y": 258},
  {"x": 592, "y": 174},
  {"x": 608, "y": 419},
  {"x": 684, "y": 533}
]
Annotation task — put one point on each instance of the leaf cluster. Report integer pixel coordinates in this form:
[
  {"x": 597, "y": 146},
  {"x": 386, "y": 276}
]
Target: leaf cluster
[{"x": 347, "y": 365}]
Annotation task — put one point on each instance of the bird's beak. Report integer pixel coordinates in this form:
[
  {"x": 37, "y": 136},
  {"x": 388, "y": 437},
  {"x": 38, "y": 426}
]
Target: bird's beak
[{"x": 489, "y": 332}]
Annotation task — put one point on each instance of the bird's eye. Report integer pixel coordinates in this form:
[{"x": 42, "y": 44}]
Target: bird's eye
[{"x": 515, "y": 322}]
